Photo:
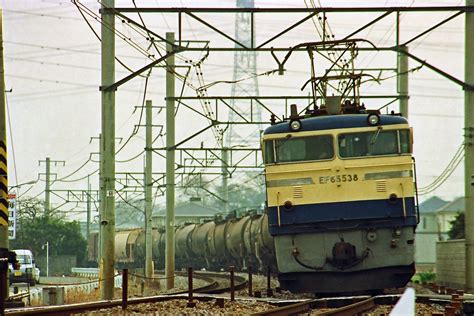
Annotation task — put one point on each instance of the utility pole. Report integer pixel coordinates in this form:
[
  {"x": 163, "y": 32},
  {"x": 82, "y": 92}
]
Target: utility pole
[
  {"x": 403, "y": 80},
  {"x": 47, "y": 189},
  {"x": 88, "y": 203},
  {"x": 469, "y": 146},
  {"x": 107, "y": 172},
  {"x": 225, "y": 178},
  {"x": 4, "y": 244},
  {"x": 170, "y": 162},
  {"x": 148, "y": 191},
  {"x": 47, "y": 176}
]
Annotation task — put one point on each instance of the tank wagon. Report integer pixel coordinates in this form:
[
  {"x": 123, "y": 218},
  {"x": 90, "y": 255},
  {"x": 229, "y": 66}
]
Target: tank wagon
[
  {"x": 213, "y": 245},
  {"x": 341, "y": 199}
]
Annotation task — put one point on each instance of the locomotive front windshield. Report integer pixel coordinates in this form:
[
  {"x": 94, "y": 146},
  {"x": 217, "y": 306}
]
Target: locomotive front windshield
[
  {"x": 299, "y": 149},
  {"x": 378, "y": 143},
  {"x": 349, "y": 145}
]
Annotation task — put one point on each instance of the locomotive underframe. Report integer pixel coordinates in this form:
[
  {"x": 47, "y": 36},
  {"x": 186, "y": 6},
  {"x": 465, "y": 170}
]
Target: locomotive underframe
[
  {"x": 346, "y": 261},
  {"x": 353, "y": 282}
]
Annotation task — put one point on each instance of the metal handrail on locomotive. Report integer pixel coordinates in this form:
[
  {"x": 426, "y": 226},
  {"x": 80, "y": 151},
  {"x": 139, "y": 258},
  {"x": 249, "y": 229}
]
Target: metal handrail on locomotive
[{"x": 341, "y": 199}]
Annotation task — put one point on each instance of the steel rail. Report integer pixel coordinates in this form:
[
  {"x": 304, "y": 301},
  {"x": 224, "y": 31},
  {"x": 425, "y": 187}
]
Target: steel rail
[
  {"x": 215, "y": 287},
  {"x": 292, "y": 309},
  {"x": 212, "y": 288},
  {"x": 352, "y": 309},
  {"x": 211, "y": 284},
  {"x": 18, "y": 296},
  {"x": 362, "y": 305}
]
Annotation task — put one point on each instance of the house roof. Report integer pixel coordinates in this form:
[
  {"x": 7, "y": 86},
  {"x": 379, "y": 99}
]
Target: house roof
[
  {"x": 191, "y": 209},
  {"x": 432, "y": 205},
  {"x": 455, "y": 206}
]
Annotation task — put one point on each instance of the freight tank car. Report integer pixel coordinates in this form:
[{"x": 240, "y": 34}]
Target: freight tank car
[
  {"x": 212, "y": 245},
  {"x": 341, "y": 200}
]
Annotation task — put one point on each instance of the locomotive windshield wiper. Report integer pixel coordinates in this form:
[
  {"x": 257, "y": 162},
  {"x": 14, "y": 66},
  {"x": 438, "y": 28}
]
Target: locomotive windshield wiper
[{"x": 374, "y": 138}]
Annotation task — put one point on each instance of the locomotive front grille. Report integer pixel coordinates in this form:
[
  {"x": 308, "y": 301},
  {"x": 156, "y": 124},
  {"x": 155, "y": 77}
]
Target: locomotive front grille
[
  {"x": 298, "y": 192},
  {"x": 381, "y": 186}
]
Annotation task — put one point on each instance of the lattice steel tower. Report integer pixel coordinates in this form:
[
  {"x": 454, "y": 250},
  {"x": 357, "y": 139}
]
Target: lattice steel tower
[{"x": 245, "y": 65}]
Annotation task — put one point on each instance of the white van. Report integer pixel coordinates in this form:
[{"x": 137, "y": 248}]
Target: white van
[{"x": 28, "y": 271}]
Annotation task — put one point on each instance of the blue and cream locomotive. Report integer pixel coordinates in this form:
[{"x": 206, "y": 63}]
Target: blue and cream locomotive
[{"x": 341, "y": 200}]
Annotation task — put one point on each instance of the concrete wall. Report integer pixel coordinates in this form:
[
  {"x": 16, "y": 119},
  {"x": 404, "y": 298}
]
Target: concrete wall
[
  {"x": 58, "y": 265},
  {"x": 451, "y": 263},
  {"x": 425, "y": 247}
]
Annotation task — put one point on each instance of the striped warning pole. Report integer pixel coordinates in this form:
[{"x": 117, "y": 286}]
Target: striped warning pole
[
  {"x": 3, "y": 184},
  {"x": 3, "y": 173}
]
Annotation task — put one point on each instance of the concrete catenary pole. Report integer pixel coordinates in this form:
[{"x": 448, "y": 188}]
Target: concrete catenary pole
[
  {"x": 107, "y": 190},
  {"x": 4, "y": 244},
  {"x": 170, "y": 162},
  {"x": 225, "y": 178},
  {"x": 148, "y": 191},
  {"x": 88, "y": 224},
  {"x": 403, "y": 80},
  {"x": 47, "y": 189},
  {"x": 469, "y": 146}
]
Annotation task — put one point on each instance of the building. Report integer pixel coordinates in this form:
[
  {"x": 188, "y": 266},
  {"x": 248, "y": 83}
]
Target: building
[
  {"x": 435, "y": 217},
  {"x": 448, "y": 213},
  {"x": 191, "y": 211},
  {"x": 427, "y": 234}
]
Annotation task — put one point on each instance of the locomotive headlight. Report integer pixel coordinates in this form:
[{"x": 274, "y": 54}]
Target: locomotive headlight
[
  {"x": 373, "y": 119},
  {"x": 295, "y": 125}
]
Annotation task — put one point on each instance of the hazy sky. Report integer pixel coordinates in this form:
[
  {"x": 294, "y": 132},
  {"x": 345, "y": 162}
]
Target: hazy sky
[{"x": 52, "y": 66}]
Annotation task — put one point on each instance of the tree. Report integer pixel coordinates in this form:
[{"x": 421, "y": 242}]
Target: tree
[
  {"x": 246, "y": 195},
  {"x": 457, "y": 227},
  {"x": 35, "y": 228}
]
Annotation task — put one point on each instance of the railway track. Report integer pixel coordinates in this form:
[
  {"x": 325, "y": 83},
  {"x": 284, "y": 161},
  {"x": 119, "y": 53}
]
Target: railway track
[
  {"x": 218, "y": 283},
  {"x": 326, "y": 307},
  {"x": 361, "y": 305}
]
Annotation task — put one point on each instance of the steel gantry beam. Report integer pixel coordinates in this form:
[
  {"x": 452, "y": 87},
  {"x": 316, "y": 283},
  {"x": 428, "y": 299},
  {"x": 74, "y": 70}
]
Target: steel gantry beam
[
  {"x": 191, "y": 158},
  {"x": 267, "y": 104},
  {"x": 264, "y": 45},
  {"x": 77, "y": 196}
]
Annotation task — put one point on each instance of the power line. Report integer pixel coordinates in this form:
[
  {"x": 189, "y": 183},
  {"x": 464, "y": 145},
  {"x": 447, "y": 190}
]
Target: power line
[
  {"x": 43, "y": 15},
  {"x": 446, "y": 173}
]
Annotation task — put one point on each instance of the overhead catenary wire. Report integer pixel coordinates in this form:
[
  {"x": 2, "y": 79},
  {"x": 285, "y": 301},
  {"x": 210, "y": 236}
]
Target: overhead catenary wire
[{"x": 446, "y": 173}]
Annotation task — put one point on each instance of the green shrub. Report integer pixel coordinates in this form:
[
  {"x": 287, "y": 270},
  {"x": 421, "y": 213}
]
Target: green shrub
[{"x": 427, "y": 276}]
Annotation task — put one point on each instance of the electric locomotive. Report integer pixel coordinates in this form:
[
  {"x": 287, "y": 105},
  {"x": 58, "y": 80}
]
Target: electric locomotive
[{"x": 341, "y": 199}]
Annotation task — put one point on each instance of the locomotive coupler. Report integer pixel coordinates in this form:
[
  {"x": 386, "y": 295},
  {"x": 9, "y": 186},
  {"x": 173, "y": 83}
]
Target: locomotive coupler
[{"x": 344, "y": 255}]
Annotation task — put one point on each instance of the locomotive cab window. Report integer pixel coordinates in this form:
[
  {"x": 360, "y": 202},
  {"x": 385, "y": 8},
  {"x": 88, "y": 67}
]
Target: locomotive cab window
[
  {"x": 299, "y": 149},
  {"x": 377, "y": 143}
]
